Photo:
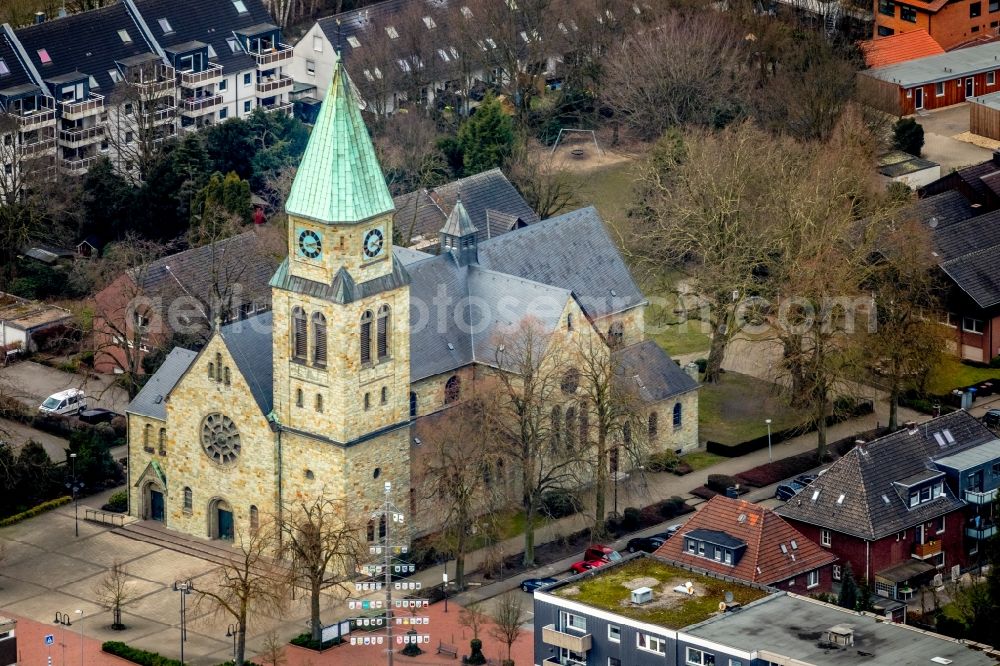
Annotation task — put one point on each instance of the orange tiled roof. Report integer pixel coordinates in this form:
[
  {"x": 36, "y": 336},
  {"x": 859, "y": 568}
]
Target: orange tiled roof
[
  {"x": 762, "y": 530},
  {"x": 899, "y": 48}
]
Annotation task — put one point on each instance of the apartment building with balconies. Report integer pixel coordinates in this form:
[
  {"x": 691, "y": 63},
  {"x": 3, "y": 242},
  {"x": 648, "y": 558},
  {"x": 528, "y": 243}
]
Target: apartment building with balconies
[{"x": 120, "y": 80}]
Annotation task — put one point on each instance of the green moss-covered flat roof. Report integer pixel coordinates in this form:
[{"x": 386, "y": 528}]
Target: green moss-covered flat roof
[{"x": 610, "y": 589}]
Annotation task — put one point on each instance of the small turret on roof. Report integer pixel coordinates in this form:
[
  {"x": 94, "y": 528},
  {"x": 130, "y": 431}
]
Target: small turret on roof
[{"x": 458, "y": 236}]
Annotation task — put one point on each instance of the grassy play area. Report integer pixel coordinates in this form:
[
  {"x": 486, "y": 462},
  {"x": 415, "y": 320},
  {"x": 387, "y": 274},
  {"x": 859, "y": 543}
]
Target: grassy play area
[{"x": 733, "y": 410}]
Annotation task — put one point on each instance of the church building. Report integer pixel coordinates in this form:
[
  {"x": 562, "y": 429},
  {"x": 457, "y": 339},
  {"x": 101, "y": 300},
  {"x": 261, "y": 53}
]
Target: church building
[{"x": 322, "y": 393}]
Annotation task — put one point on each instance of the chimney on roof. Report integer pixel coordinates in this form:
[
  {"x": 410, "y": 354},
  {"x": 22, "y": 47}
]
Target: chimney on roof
[
  {"x": 911, "y": 427},
  {"x": 39, "y": 17}
]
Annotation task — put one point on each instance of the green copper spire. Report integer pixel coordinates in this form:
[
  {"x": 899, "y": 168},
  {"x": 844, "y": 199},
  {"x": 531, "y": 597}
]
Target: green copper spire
[{"x": 339, "y": 178}]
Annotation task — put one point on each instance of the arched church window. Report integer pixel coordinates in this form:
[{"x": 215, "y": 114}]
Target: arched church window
[
  {"x": 556, "y": 427},
  {"x": 319, "y": 338},
  {"x": 298, "y": 397},
  {"x": 452, "y": 389},
  {"x": 616, "y": 332},
  {"x": 569, "y": 432},
  {"x": 299, "y": 342},
  {"x": 163, "y": 442},
  {"x": 211, "y": 371},
  {"x": 678, "y": 415},
  {"x": 654, "y": 425},
  {"x": 319, "y": 402},
  {"x": 218, "y": 367},
  {"x": 385, "y": 395},
  {"x": 368, "y": 400},
  {"x": 188, "y": 499},
  {"x": 226, "y": 375},
  {"x": 366, "y": 337},
  {"x": 254, "y": 518},
  {"x": 413, "y": 405},
  {"x": 382, "y": 333},
  {"x": 147, "y": 434},
  {"x": 584, "y": 422}
]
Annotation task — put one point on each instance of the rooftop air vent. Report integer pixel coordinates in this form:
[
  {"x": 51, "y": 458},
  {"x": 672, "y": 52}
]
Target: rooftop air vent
[
  {"x": 841, "y": 635},
  {"x": 642, "y": 595}
]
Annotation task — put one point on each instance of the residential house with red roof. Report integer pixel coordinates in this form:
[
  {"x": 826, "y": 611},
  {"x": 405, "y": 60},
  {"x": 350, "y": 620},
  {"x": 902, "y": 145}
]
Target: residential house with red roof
[
  {"x": 906, "y": 507},
  {"x": 751, "y": 543},
  {"x": 950, "y": 22}
]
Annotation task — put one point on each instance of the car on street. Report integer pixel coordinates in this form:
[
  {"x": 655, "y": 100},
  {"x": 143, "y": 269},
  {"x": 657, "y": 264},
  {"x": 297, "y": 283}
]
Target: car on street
[
  {"x": 587, "y": 565},
  {"x": 645, "y": 544},
  {"x": 532, "y": 584},
  {"x": 601, "y": 552},
  {"x": 806, "y": 479},
  {"x": 991, "y": 419},
  {"x": 787, "y": 491},
  {"x": 670, "y": 531},
  {"x": 97, "y": 415}
]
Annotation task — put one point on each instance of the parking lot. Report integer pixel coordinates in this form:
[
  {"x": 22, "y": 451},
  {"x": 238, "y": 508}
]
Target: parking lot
[{"x": 32, "y": 382}]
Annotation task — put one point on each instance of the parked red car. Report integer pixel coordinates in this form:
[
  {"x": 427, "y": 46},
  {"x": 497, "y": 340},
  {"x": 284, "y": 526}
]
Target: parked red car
[
  {"x": 587, "y": 565},
  {"x": 602, "y": 553}
]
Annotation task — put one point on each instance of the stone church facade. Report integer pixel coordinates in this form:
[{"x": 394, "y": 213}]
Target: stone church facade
[{"x": 322, "y": 394}]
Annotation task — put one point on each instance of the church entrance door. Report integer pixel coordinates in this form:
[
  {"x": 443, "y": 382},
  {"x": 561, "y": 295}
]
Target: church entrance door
[
  {"x": 225, "y": 524},
  {"x": 156, "y": 505}
]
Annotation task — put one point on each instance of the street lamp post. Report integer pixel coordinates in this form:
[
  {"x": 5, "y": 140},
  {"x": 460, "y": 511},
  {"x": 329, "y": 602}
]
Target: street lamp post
[
  {"x": 184, "y": 587},
  {"x": 75, "y": 487},
  {"x": 769, "y": 458},
  {"x": 231, "y": 631},
  {"x": 80, "y": 613},
  {"x": 444, "y": 579}
]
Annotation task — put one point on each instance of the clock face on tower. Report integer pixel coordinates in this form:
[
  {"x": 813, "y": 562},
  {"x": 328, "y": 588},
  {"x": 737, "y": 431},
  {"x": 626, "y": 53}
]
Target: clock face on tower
[
  {"x": 310, "y": 244},
  {"x": 374, "y": 243}
]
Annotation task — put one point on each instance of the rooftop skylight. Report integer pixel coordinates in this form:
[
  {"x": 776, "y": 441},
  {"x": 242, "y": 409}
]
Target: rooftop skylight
[
  {"x": 165, "y": 26},
  {"x": 4, "y": 69},
  {"x": 44, "y": 56},
  {"x": 125, "y": 37},
  {"x": 240, "y": 7},
  {"x": 429, "y": 22},
  {"x": 466, "y": 12},
  {"x": 353, "y": 41},
  {"x": 391, "y": 31}
]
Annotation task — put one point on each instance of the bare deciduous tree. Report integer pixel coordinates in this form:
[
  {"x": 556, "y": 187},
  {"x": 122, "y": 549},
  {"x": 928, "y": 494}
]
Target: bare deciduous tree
[
  {"x": 140, "y": 115},
  {"x": 508, "y": 616},
  {"x": 250, "y": 583},
  {"x": 326, "y": 543},
  {"x": 474, "y": 617},
  {"x": 526, "y": 380},
  {"x": 686, "y": 71},
  {"x": 115, "y": 590},
  {"x": 547, "y": 189}
]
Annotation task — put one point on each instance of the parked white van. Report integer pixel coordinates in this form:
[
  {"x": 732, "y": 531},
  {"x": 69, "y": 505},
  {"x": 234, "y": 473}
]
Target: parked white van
[{"x": 69, "y": 401}]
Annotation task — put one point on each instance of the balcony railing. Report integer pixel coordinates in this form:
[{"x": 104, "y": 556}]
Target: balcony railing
[
  {"x": 35, "y": 118},
  {"x": 38, "y": 147},
  {"x": 977, "y": 497},
  {"x": 922, "y": 551},
  {"x": 575, "y": 642},
  {"x": 164, "y": 114},
  {"x": 201, "y": 103},
  {"x": 268, "y": 58},
  {"x": 285, "y": 107},
  {"x": 563, "y": 661},
  {"x": 80, "y": 165},
  {"x": 154, "y": 88},
  {"x": 278, "y": 83},
  {"x": 984, "y": 530},
  {"x": 195, "y": 79},
  {"x": 89, "y": 106},
  {"x": 81, "y": 135}
]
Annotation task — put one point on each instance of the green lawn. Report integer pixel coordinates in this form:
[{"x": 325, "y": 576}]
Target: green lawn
[
  {"x": 701, "y": 459},
  {"x": 733, "y": 410},
  {"x": 609, "y": 189},
  {"x": 951, "y": 374}
]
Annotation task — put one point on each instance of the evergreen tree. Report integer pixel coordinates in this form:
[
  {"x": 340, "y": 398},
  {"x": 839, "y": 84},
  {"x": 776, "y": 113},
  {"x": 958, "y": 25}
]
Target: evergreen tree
[
  {"x": 487, "y": 138},
  {"x": 908, "y": 136},
  {"x": 848, "y": 597}
]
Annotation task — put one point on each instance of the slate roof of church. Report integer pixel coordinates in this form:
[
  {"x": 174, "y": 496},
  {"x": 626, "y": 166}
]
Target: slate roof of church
[
  {"x": 763, "y": 533},
  {"x": 151, "y": 399},
  {"x": 648, "y": 369},
  {"x": 572, "y": 251},
  {"x": 494, "y": 205},
  {"x": 249, "y": 343},
  {"x": 873, "y": 506},
  {"x": 339, "y": 178}
]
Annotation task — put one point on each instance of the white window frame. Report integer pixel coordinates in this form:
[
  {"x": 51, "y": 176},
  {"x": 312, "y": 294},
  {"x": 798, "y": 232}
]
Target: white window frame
[
  {"x": 651, "y": 643},
  {"x": 837, "y": 573},
  {"x": 616, "y": 635},
  {"x": 991, "y": 78},
  {"x": 247, "y": 79},
  {"x": 317, "y": 44},
  {"x": 812, "y": 579},
  {"x": 701, "y": 656},
  {"x": 571, "y": 622},
  {"x": 941, "y": 531},
  {"x": 966, "y": 321},
  {"x": 825, "y": 538},
  {"x": 311, "y": 67},
  {"x": 939, "y": 89}
]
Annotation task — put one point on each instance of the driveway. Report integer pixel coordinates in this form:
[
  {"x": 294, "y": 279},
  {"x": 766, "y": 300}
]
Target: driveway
[
  {"x": 940, "y": 128},
  {"x": 32, "y": 382}
]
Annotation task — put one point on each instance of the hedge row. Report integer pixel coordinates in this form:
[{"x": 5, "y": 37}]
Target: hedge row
[
  {"x": 36, "y": 510},
  {"x": 147, "y": 658}
]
